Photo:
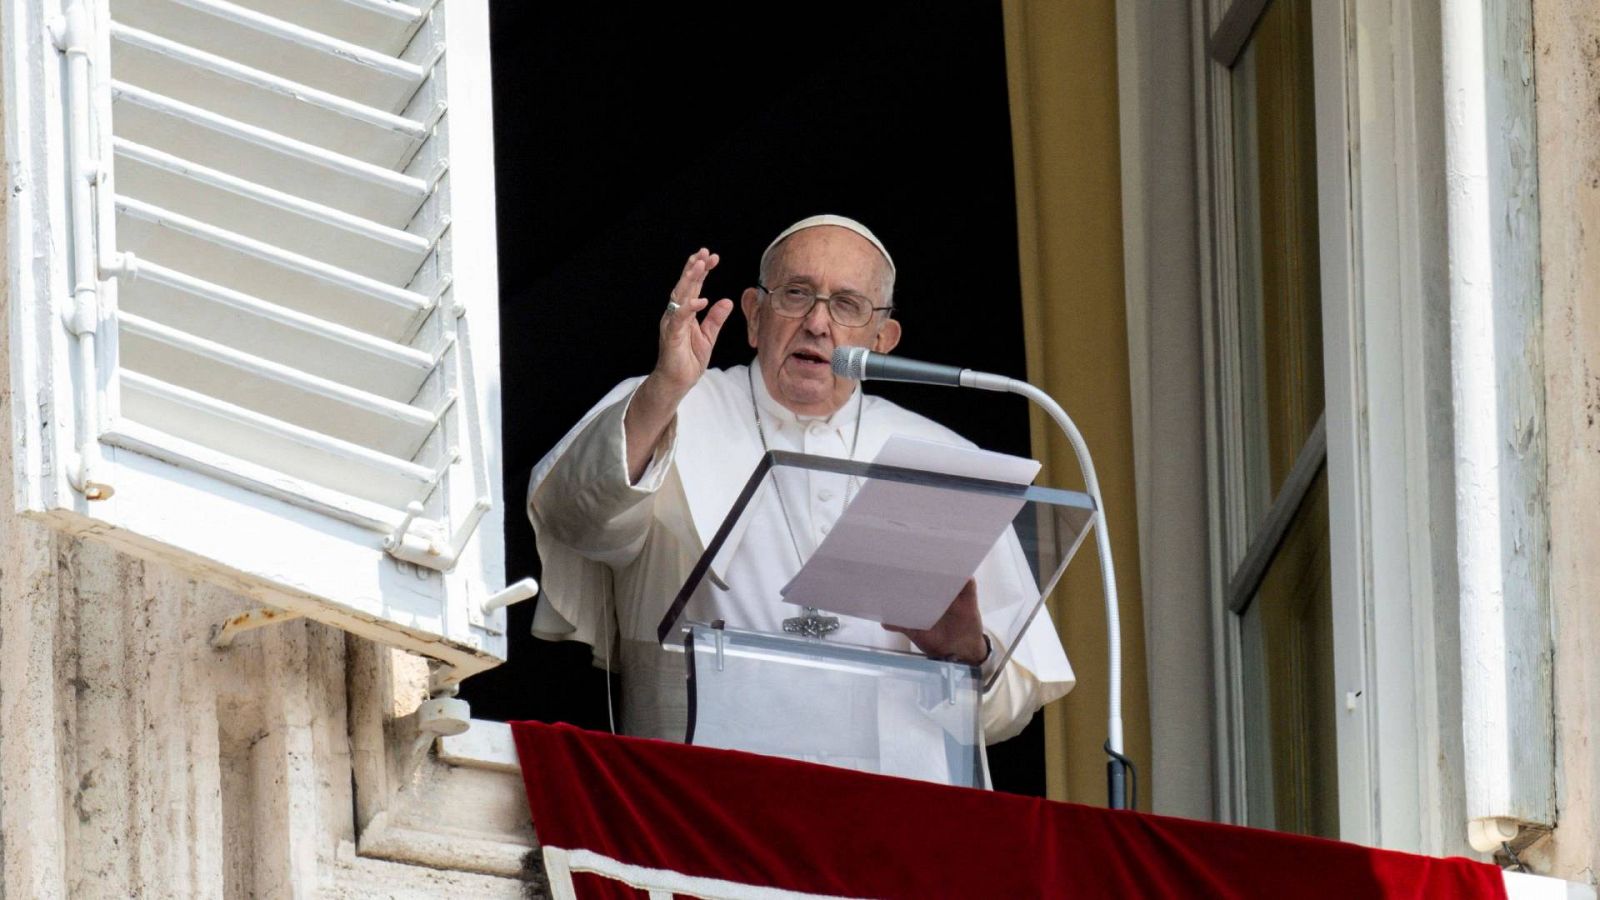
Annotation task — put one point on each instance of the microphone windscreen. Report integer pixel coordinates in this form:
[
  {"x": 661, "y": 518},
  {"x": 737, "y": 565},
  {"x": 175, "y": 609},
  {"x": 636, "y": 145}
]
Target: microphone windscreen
[{"x": 850, "y": 362}]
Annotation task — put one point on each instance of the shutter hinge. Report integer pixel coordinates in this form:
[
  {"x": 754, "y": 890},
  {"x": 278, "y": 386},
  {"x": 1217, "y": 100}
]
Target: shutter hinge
[
  {"x": 434, "y": 116},
  {"x": 436, "y": 174},
  {"x": 80, "y": 314},
  {"x": 426, "y": 544},
  {"x": 67, "y": 29}
]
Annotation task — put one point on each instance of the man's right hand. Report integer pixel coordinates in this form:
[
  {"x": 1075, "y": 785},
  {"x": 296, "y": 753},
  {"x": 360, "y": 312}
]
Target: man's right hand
[
  {"x": 683, "y": 351},
  {"x": 686, "y": 341}
]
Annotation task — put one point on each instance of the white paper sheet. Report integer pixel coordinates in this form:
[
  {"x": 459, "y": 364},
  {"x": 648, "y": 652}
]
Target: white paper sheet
[{"x": 901, "y": 552}]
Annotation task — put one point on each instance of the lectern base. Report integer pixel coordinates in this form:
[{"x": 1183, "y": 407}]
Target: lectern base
[{"x": 802, "y": 698}]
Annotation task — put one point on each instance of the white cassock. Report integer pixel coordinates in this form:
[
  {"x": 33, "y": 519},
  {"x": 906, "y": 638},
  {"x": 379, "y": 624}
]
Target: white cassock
[{"x": 615, "y": 554}]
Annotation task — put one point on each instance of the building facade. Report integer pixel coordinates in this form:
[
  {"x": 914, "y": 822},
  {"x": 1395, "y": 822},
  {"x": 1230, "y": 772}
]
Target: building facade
[
  {"x": 1360, "y": 341},
  {"x": 1336, "y": 252}
]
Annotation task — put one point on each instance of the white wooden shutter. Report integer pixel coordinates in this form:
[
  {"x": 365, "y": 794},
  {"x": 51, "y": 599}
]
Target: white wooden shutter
[{"x": 266, "y": 345}]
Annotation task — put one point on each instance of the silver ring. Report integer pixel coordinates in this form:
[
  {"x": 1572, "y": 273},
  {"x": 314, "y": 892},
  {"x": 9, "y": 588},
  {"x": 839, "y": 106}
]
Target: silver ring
[{"x": 673, "y": 306}]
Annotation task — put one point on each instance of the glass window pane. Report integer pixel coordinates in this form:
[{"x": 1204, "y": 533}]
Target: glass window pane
[
  {"x": 1286, "y": 670},
  {"x": 1275, "y": 205}
]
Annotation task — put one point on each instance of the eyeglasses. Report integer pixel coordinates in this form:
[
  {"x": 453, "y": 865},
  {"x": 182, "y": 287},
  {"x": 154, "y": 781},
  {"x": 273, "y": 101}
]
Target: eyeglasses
[{"x": 795, "y": 301}]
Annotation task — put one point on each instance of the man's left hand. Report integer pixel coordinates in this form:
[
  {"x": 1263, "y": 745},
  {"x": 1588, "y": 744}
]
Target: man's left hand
[{"x": 959, "y": 632}]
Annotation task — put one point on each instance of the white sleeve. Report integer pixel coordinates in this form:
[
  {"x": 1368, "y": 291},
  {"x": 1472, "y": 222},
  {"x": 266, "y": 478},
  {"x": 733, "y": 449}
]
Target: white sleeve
[
  {"x": 1009, "y": 706},
  {"x": 583, "y": 499},
  {"x": 587, "y": 518},
  {"x": 1038, "y": 671}
]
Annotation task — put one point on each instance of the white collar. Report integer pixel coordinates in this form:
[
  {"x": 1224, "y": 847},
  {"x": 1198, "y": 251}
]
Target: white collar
[{"x": 781, "y": 415}]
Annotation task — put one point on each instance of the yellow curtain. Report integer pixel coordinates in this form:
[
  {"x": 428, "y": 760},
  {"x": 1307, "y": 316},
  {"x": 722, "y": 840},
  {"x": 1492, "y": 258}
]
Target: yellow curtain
[{"x": 1062, "y": 73}]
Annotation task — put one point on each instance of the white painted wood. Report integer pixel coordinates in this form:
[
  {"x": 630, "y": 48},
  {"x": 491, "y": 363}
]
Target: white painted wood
[
  {"x": 382, "y": 25},
  {"x": 210, "y": 394},
  {"x": 31, "y": 124},
  {"x": 72, "y": 36},
  {"x": 1345, "y": 330},
  {"x": 266, "y": 157},
  {"x": 311, "y": 345},
  {"x": 1271, "y": 527},
  {"x": 1497, "y": 367},
  {"x": 1239, "y": 495},
  {"x": 1212, "y": 176},
  {"x": 471, "y": 257},
  {"x": 259, "y": 98},
  {"x": 1407, "y": 443},
  {"x": 271, "y": 389},
  {"x": 1373, "y": 225},
  {"x": 271, "y": 443},
  {"x": 1237, "y": 19},
  {"x": 270, "y": 481},
  {"x": 300, "y": 226},
  {"x": 1408, "y": 91},
  {"x": 281, "y": 48},
  {"x": 287, "y": 557},
  {"x": 1379, "y": 165},
  {"x": 278, "y": 472},
  {"x": 272, "y": 332},
  {"x": 1379, "y": 303},
  {"x": 270, "y": 273}
]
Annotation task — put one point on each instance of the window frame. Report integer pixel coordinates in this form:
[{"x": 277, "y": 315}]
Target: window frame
[
  {"x": 1392, "y": 660},
  {"x": 1243, "y": 531}
]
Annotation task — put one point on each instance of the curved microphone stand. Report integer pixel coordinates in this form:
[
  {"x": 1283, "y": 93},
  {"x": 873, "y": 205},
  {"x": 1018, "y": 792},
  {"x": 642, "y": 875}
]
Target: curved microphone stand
[{"x": 861, "y": 364}]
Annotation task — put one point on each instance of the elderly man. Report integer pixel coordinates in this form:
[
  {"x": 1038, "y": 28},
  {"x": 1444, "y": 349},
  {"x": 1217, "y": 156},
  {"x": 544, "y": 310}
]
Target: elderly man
[{"x": 625, "y": 504}]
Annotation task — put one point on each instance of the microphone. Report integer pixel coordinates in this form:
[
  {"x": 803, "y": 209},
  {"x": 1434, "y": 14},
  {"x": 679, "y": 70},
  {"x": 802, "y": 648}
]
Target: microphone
[{"x": 861, "y": 364}]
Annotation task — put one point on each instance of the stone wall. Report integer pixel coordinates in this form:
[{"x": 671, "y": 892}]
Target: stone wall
[
  {"x": 135, "y": 760},
  {"x": 1567, "y": 80}
]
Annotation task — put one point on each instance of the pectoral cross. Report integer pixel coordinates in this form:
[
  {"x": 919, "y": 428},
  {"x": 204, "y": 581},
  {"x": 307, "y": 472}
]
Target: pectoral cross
[{"x": 813, "y": 624}]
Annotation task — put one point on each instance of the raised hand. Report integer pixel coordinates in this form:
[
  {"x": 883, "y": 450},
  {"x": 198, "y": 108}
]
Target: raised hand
[
  {"x": 686, "y": 339},
  {"x": 682, "y": 353}
]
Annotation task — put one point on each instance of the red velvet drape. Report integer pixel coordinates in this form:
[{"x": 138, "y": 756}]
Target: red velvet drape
[{"x": 754, "y": 820}]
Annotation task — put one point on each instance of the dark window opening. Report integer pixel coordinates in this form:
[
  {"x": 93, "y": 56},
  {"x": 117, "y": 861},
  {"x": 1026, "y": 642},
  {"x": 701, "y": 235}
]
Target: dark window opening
[{"x": 625, "y": 140}]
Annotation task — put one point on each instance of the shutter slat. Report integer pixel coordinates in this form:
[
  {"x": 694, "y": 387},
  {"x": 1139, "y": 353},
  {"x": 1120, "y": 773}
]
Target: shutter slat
[
  {"x": 148, "y": 441},
  {"x": 382, "y": 25},
  {"x": 276, "y": 333},
  {"x": 299, "y": 226},
  {"x": 272, "y": 389},
  {"x": 268, "y": 442},
  {"x": 265, "y": 100},
  {"x": 265, "y": 157},
  {"x": 261, "y": 270},
  {"x": 282, "y": 48}
]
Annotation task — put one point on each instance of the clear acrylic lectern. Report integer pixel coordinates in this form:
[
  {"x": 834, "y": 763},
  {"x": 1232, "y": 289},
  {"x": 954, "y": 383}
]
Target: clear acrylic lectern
[{"x": 780, "y": 621}]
